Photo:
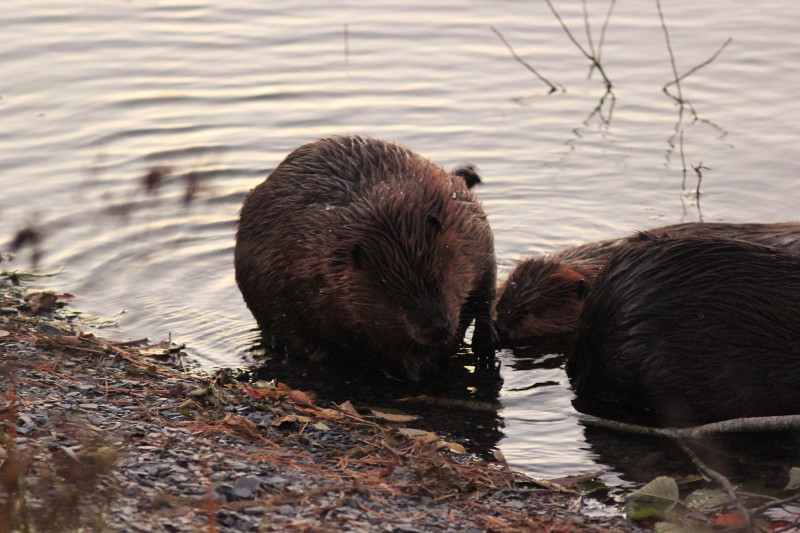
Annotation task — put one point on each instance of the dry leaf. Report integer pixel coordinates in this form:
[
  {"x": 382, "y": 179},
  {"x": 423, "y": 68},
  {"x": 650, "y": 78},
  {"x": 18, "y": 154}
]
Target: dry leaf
[
  {"x": 329, "y": 413},
  {"x": 241, "y": 425},
  {"x": 301, "y": 397},
  {"x": 393, "y": 417},
  {"x": 69, "y": 340},
  {"x": 250, "y": 391},
  {"x": 348, "y": 408},
  {"x": 286, "y": 419},
  {"x": 42, "y": 301},
  {"x": 498, "y": 456},
  {"x": 454, "y": 447},
  {"x": 413, "y": 432}
]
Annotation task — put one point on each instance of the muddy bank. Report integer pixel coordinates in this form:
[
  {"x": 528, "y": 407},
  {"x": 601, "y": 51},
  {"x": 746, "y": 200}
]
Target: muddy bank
[{"x": 107, "y": 436}]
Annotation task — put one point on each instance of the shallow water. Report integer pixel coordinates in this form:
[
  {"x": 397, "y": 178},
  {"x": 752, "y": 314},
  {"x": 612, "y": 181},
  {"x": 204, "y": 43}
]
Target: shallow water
[{"x": 95, "y": 95}]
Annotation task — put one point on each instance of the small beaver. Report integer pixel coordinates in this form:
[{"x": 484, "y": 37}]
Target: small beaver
[
  {"x": 360, "y": 251},
  {"x": 542, "y": 298},
  {"x": 688, "y": 331}
]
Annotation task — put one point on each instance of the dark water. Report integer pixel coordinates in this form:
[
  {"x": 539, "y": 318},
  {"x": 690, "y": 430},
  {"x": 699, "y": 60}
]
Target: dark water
[{"x": 95, "y": 95}]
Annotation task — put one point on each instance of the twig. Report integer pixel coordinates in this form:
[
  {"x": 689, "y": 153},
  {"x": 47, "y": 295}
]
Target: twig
[
  {"x": 733, "y": 425},
  {"x": 521, "y": 61},
  {"x": 589, "y": 56},
  {"x": 699, "y": 171},
  {"x": 774, "y": 503},
  {"x": 671, "y": 55},
  {"x": 683, "y": 162},
  {"x": 603, "y": 30},
  {"x": 698, "y": 67},
  {"x": 588, "y": 28},
  {"x": 723, "y": 482}
]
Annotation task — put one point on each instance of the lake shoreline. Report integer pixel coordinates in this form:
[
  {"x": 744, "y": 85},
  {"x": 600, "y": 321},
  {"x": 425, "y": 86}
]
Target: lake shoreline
[{"x": 106, "y": 436}]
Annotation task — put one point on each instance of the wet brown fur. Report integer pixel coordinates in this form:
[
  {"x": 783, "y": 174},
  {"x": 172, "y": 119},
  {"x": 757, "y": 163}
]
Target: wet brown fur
[
  {"x": 357, "y": 250},
  {"x": 544, "y": 296}
]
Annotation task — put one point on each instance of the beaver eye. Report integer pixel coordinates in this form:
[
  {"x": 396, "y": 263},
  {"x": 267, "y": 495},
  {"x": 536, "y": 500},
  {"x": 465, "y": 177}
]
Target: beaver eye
[{"x": 538, "y": 312}]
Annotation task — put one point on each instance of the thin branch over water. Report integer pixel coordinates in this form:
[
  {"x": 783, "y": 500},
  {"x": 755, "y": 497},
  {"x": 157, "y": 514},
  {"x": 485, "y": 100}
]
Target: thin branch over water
[
  {"x": 589, "y": 56},
  {"x": 525, "y": 64},
  {"x": 697, "y": 67}
]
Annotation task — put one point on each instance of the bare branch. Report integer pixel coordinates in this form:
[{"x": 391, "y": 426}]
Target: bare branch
[
  {"x": 553, "y": 88},
  {"x": 733, "y": 425},
  {"x": 723, "y": 482},
  {"x": 671, "y": 55},
  {"x": 588, "y": 56},
  {"x": 698, "y": 67}
]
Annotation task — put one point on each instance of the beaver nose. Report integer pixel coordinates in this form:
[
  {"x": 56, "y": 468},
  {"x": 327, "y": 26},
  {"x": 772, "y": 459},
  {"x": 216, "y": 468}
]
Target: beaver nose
[
  {"x": 436, "y": 330},
  {"x": 502, "y": 330}
]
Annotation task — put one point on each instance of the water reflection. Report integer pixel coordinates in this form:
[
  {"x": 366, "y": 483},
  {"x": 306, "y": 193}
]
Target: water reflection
[
  {"x": 462, "y": 402},
  {"x": 741, "y": 457}
]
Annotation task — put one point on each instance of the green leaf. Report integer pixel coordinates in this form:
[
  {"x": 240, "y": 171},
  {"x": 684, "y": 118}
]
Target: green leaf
[
  {"x": 706, "y": 500},
  {"x": 591, "y": 487},
  {"x": 642, "y": 510},
  {"x": 662, "y": 488}
]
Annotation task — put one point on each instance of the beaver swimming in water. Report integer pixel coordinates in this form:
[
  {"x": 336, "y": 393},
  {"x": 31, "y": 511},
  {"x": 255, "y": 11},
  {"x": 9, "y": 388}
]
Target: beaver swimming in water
[
  {"x": 360, "y": 251},
  {"x": 688, "y": 331},
  {"x": 542, "y": 297}
]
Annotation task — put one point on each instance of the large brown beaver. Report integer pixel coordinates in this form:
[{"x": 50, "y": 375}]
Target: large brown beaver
[
  {"x": 542, "y": 297},
  {"x": 689, "y": 331},
  {"x": 357, "y": 250}
]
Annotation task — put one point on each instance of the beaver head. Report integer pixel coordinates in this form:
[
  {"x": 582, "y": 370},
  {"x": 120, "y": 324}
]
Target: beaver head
[
  {"x": 407, "y": 267},
  {"x": 541, "y": 297}
]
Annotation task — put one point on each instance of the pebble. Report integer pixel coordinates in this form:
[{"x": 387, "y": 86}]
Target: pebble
[{"x": 170, "y": 464}]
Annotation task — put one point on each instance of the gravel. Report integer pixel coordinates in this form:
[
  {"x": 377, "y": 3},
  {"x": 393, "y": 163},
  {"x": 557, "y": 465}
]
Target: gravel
[{"x": 107, "y": 439}]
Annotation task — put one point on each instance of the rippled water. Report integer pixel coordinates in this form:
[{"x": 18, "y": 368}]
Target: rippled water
[{"x": 95, "y": 95}]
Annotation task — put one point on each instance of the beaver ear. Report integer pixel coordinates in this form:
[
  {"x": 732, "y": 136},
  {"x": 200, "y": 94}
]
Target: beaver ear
[
  {"x": 357, "y": 253},
  {"x": 434, "y": 221},
  {"x": 469, "y": 174},
  {"x": 583, "y": 289}
]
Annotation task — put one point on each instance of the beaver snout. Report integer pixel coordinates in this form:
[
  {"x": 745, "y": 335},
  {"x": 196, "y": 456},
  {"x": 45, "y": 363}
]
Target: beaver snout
[
  {"x": 430, "y": 329},
  {"x": 501, "y": 328},
  {"x": 436, "y": 330}
]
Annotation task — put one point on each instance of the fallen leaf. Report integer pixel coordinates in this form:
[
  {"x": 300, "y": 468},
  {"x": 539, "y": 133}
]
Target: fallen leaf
[
  {"x": 42, "y": 301},
  {"x": 250, "y": 391},
  {"x": 329, "y": 413},
  {"x": 291, "y": 419},
  {"x": 454, "y": 447},
  {"x": 575, "y": 480},
  {"x": 286, "y": 419},
  {"x": 732, "y": 518},
  {"x": 242, "y": 425},
  {"x": 498, "y": 456},
  {"x": 393, "y": 417},
  {"x": 413, "y": 432},
  {"x": 348, "y": 408},
  {"x": 301, "y": 397},
  {"x": 69, "y": 340},
  {"x": 662, "y": 489}
]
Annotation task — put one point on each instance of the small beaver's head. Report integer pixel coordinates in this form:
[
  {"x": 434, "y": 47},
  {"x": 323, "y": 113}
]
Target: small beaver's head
[{"x": 541, "y": 297}]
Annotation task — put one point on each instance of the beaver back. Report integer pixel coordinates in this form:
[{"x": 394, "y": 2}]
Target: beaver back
[
  {"x": 686, "y": 331},
  {"x": 356, "y": 249}
]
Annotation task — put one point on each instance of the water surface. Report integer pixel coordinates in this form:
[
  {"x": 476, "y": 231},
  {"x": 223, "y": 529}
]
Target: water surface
[{"x": 93, "y": 96}]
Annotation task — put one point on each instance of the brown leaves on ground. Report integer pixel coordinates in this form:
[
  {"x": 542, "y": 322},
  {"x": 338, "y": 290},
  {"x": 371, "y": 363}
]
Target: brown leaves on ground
[{"x": 46, "y": 301}]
